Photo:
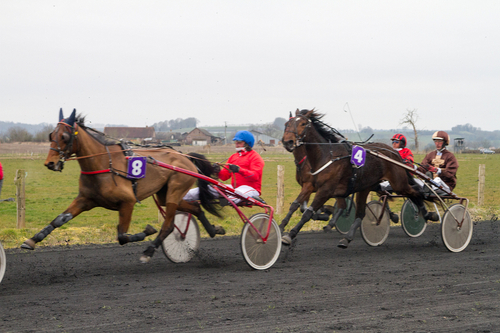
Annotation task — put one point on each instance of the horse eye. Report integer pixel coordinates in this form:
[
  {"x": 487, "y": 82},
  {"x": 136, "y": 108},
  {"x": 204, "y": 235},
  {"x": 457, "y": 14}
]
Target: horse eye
[{"x": 65, "y": 137}]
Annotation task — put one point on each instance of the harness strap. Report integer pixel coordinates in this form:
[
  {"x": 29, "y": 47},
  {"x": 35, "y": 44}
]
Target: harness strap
[
  {"x": 328, "y": 163},
  {"x": 297, "y": 164},
  {"x": 322, "y": 168},
  {"x": 95, "y": 172}
]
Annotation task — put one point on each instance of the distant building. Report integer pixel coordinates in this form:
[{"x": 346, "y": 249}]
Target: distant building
[
  {"x": 201, "y": 137},
  {"x": 171, "y": 138},
  {"x": 134, "y": 134},
  {"x": 265, "y": 139},
  {"x": 458, "y": 147}
]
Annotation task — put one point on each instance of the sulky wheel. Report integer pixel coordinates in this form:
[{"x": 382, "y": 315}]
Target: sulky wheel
[
  {"x": 454, "y": 238},
  {"x": 3, "y": 262},
  {"x": 183, "y": 242},
  {"x": 257, "y": 254},
  {"x": 373, "y": 234},
  {"x": 412, "y": 222},
  {"x": 347, "y": 218}
]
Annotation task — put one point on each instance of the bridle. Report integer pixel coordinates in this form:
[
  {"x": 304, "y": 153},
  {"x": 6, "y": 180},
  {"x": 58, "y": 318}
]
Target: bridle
[
  {"x": 69, "y": 137},
  {"x": 299, "y": 139}
]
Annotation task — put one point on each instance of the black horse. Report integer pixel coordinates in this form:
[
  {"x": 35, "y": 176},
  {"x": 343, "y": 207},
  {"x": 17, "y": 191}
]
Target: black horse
[{"x": 336, "y": 177}]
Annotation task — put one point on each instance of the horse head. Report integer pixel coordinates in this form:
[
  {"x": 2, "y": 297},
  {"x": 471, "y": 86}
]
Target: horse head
[
  {"x": 61, "y": 142},
  {"x": 296, "y": 129}
]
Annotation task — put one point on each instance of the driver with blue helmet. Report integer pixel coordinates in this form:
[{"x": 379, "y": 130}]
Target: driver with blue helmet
[{"x": 244, "y": 167}]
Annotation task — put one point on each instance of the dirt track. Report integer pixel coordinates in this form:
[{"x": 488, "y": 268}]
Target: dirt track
[{"x": 405, "y": 285}]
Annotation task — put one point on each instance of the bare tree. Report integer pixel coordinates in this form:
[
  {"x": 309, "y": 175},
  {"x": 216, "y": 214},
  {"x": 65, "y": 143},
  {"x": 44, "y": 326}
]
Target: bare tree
[{"x": 410, "y": 118}]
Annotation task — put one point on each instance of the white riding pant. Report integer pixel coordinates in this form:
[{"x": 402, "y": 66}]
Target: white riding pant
[
  {"x": 386, "y": 186},
  {"x": 436, "y": 180},
  {"x": 243, "y": 190}
]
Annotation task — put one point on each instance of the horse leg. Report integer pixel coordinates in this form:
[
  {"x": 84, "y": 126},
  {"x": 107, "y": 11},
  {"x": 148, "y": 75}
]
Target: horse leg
[
  {"x": 319, "y": 200},
  {"x": 418, "y": 200},
  {"x": 166, "y": 229},
  {"x": 360, "y": 213},
  {"x": 341, "y": 206},
  {"x": 125, "y": 217},
  {"x": 416, "y": 195},
  {"x": 305, "y": 193},
  {"x": 195, "y": 209},
  {"x": 78, "y": 205}
]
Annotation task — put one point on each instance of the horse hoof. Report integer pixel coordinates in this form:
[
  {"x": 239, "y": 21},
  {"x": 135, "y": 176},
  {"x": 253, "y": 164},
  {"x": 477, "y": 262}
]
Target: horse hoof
[
  {"x": 219, "y": 230},
  {"x": 286, "y": 239},
  {"x": 344, "y": 243},
  {"x": 28, "y": 244},
  {"x": 327, "y": 228},
  {"x": 150, "y": 230},
  {"x": 431, "y": 216},
  {"x": 145, "y": 259}
]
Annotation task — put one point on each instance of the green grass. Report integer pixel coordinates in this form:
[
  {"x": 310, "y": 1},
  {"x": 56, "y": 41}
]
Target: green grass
[{"x": 48, "y": 193}]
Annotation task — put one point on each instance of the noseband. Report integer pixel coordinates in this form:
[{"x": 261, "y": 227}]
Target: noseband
[{"x": 299, "y": 139}]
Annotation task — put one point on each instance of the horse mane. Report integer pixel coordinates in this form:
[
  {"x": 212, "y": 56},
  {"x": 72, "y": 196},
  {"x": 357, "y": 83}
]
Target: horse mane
[
  {"x": 328, "y": 133},
  {"x": 98, "y": 135}
]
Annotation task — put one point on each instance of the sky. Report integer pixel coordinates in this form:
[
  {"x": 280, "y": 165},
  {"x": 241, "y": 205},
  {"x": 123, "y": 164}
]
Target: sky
[{"x": 362, "y": 63}]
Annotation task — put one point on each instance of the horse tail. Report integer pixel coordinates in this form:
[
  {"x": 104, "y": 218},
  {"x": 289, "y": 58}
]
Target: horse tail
[{"x": 207, "y": 198}]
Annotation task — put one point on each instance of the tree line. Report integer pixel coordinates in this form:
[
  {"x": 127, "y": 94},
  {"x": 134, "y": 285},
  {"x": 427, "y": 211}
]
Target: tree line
[
  {"x": 174, "y": 124},
  {"x": 20, "y": 134},
  {"x": 474, "y": 136}
]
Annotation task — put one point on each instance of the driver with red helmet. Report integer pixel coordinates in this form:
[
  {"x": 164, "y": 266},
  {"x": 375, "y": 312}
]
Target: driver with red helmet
[{"x": 398, "y": 144}]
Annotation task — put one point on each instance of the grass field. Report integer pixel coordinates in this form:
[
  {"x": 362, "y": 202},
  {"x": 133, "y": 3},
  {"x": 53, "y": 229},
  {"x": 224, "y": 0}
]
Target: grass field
[{"x": 48, "y": 193}]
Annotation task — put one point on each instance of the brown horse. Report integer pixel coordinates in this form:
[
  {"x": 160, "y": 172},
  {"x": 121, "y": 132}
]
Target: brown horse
[
  {"x": 335, "y": 175},
  {"x": 306, "y": 180},
  {"x": 105, "y": 181}
]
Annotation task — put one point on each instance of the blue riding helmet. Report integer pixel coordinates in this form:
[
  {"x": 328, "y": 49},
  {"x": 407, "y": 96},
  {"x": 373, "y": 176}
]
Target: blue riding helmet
[{"x": 245, "y": 136}]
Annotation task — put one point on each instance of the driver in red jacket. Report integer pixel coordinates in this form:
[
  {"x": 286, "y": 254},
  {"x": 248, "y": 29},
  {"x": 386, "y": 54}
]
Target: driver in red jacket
[
  {"x": 398, "y": 144},
  {"x": 244, "y": 167}
]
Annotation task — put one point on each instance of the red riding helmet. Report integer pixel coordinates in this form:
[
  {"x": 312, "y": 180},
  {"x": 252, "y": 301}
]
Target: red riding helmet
[{"x": 401, "y": 139}]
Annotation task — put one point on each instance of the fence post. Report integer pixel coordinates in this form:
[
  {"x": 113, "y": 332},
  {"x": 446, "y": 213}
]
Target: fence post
[
  {"x": 20, "y": 198},
  {"x": 482, "y": 181},
  {"x": 280, "y": 198}
]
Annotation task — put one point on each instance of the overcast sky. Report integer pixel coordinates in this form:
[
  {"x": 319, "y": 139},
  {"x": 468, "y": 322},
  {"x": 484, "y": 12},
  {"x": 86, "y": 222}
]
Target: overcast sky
[{"x": 140, "y": 62}]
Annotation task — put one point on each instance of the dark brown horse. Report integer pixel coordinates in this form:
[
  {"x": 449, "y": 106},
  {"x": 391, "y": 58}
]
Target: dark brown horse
[
  {"x": 105, "y": 181},
  {"x": 330, "y": 158},
  {"x": 306, "y": 180}
]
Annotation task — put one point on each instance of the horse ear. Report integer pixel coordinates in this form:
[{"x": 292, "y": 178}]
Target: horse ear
[
  {"x": 297, "y": 112},
  {"x": 61, "y": 117},
  {"x": 290, "y": 117},
  {"x": 71, "y": 120}
]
